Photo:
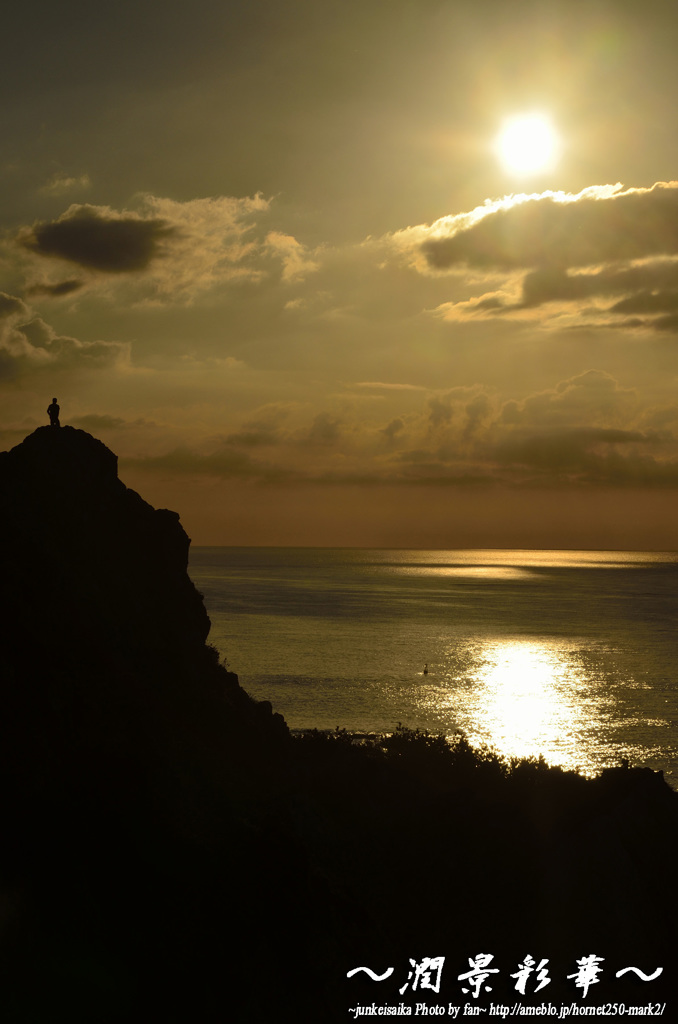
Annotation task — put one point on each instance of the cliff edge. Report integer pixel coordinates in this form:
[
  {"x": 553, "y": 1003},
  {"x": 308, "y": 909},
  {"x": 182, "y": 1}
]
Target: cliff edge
[
  {"x": 103, "y": 635},
  {"x": 85, "y": 559}
]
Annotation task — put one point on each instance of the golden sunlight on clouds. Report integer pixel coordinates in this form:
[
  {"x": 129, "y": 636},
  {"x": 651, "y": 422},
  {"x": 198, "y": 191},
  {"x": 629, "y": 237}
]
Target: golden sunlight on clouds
[{"x": 312, "y": 291}]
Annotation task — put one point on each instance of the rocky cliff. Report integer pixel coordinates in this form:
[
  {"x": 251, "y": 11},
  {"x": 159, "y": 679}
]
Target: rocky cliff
[
  {"x": 85, "y": 559},
  {"x": 127, "y": 753},
  {"x": 103, "y": 648}
]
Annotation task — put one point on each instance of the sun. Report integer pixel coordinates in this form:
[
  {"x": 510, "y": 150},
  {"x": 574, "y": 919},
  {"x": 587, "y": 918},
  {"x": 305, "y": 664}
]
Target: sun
[{"x": 527, "y": 144}]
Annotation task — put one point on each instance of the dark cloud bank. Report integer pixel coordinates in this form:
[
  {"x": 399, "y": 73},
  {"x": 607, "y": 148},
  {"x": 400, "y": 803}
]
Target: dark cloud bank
[
  {"x": 100, "y": 242},
  {"x": 584, "y": 230}
]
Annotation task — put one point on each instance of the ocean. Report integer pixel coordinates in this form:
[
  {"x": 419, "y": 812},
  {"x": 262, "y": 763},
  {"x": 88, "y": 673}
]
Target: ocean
[{"x": 572, "y": 655}]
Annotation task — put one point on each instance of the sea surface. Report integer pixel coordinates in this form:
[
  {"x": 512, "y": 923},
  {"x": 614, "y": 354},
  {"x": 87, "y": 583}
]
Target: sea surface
[{"x": 568, "y": 654}]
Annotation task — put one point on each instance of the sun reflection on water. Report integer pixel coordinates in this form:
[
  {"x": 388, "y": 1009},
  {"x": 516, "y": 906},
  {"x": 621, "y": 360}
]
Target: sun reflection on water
[{"x": 527, "y": 698}]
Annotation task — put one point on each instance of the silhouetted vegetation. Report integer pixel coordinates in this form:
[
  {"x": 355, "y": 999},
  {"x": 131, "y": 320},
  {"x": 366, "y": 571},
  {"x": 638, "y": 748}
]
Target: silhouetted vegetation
[{"x": 171, "y": 853}]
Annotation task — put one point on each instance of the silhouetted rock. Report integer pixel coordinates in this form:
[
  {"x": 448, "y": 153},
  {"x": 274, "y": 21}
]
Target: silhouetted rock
[
  {"x": 78, "y": 547},
  {"x": 103, "y": 633}
]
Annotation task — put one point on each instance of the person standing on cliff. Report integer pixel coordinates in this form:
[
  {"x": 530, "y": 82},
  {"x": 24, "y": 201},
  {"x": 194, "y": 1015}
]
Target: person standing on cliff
[{"x": 53, "y": 413}]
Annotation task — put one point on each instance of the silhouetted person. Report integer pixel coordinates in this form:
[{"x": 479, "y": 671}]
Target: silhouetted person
[{"x": 53, "y": 413}]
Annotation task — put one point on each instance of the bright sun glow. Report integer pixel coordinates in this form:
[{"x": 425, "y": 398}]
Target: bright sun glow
[{"x": 527, "y": 144}]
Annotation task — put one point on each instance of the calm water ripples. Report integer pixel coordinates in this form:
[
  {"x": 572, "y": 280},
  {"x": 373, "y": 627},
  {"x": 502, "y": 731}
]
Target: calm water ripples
[{"x": 573, "y": 655}]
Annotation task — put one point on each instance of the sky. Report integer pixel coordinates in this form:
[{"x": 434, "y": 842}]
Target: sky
[{"x": 275, "y": 257}]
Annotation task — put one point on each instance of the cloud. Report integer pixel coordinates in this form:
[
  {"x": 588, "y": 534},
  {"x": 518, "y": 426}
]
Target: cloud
[
  {"x": 392, "y": 429},
  {"x": 56, "y": 290},
  {"x": 586, "y": 431},
  {"x": 252, "y": 438},
  {"x": 588, "y": 456},
  {"x": 656, "y": 279},
  {"x": 262, "y": 430},
  {"x": 585, "y": 457},
  {"x": 604, "y": 257},
  {"x": 472, "y": 405},
  {"x": 592, "y": 397},
  {"x": 296, "y": 263},
  {"x": 99, "y": 239},
  {"x": 94, "y": 422},
  {"x": 441, "y": 410},
  {"x": 29, "y": 344},
  {"x": 163, "y": 251},
  {"x": 224, "y": 464},
  {"x": 60, "y": 184},
  {"x": 10, "y": 306},
  {"x": 477, "y": 412},
  {"x": 324, "y": 430},
  {"x": 381, "y": 386},
  {"x": 648, "y": 287},
  {"x": 556, "y": 229},
  {"x": 216, "y": 241}
]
